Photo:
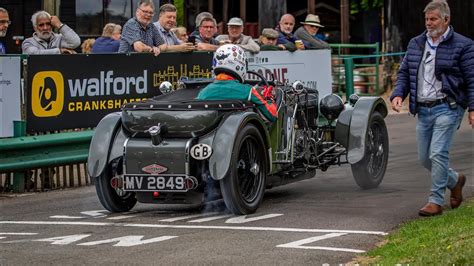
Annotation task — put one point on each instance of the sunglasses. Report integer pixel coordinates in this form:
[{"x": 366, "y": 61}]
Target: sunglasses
[
  {"x": 8, "y": 22},
  {"x": 44, "y": 24}
]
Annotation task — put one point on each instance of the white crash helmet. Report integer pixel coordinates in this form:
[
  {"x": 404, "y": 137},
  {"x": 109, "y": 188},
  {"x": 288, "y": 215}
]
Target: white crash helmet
[{"x": 230, "y": 59}]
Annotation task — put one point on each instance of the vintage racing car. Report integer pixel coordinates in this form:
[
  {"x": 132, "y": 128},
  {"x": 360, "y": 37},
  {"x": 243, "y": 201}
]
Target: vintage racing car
[{"x": 174, "y": 149}]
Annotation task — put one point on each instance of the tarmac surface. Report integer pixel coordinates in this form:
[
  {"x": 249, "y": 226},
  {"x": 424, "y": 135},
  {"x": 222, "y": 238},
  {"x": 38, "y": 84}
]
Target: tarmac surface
[{"x": 326, "y": 219}]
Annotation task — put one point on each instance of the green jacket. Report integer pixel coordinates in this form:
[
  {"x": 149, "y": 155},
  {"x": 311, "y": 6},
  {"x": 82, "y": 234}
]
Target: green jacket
[{"x": 234, "y": 90}]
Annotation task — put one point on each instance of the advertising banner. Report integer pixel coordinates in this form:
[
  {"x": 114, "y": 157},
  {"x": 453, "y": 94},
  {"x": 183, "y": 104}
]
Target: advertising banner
[
  {"x": 77, "y": 91},
  {"x": 311, "y": 67},
  {"x": 10, "y": 91}
]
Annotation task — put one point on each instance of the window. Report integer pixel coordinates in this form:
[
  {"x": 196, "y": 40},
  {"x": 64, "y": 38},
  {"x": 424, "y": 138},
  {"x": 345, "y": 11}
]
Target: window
[{"x": 89, "y": 17}]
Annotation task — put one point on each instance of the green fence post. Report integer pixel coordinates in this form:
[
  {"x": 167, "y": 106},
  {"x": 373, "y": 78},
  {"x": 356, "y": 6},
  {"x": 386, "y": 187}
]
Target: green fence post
[
  {"x": 349, "y": 70},
  {"x": 19, "y": 130}
]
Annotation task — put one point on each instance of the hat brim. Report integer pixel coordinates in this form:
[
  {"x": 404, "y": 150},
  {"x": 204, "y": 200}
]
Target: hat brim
[
  {"x": 312, "y": 24},
  {"x": 234, "y": 24}
]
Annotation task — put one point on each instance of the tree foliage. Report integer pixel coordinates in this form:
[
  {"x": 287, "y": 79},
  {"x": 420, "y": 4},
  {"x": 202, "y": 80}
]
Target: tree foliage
[{"x": 364, "y": 5}]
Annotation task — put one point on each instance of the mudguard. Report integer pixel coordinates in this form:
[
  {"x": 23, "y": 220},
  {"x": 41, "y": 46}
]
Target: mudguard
[
  {"x": 101, "y": 143},
  {"x": 352, "y": 123},
  {"x": 223, "y": 143}
]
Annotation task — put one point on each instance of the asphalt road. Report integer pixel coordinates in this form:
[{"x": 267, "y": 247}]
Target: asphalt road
[{"x": 327, "y": 219}]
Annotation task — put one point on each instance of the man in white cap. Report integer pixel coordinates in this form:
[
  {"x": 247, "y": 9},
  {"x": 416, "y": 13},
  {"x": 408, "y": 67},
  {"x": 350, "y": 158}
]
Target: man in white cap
[
  {"x": 307, "y": 33},
  {"x": 235, "y": 27}
]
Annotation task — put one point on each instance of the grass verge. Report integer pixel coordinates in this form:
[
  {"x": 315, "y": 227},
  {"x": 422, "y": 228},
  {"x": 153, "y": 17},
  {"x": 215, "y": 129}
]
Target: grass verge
[{"x": 439, "y": 240}]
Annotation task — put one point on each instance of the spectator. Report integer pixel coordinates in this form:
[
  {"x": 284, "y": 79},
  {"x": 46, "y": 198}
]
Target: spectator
[
  {"x": 437, "y": 73},
  {"x": 268, "y": 40},
  {"x": 45, "y": 41},
  {"x": 167, "y": 21},
  {"x": 285, "y": 29},
  {"x": 205, "y": 40},
  {"x": 236, "y": 36},
  {"x": 307, "y": 33},
  {"x": 181, "y": 33},
  {"x": 139, "y": 34},
  {"x": 109, "y": 41},
  {"x": 86, "y": 46},
  {"x": 198, "y": 21},
  {"x": 4, "y": 23}
]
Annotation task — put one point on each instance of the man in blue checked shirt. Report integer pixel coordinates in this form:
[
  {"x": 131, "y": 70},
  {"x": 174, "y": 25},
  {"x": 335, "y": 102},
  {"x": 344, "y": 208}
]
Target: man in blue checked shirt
[{"x": 139, "y": 34}]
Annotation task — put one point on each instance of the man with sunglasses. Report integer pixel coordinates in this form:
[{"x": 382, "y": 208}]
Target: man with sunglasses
[
  {"x": 307, "y": 33},
  {"x": 4, "y": 23},
  {"x": 437, "y": 75},
  {"x": 139, "y": 34},
  {"x": 45, "y": 41}
]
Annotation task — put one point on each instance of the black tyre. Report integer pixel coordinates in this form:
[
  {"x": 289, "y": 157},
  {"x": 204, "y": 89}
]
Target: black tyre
[
  {"x": 369, "y": 172},
  {"x": 244, "y": 186},
  {"x": 114, "y": 200}
]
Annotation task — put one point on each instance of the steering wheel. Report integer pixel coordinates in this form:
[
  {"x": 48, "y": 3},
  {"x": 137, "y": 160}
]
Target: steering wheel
[{"x": 263, "y": 80}]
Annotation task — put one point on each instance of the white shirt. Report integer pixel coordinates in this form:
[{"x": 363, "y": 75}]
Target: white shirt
[{"x": 429, "y": 86}]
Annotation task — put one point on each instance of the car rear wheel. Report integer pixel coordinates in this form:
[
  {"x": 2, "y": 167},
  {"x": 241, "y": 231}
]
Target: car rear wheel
[
  {"x": 369, "y": 172},
  {"x": 244, "y": 186},
  {"x": 113, "y": 199}
]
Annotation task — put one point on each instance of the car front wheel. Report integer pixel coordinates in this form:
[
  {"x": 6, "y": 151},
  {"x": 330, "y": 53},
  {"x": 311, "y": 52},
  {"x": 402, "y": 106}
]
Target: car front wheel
[
  {"x": 369, "y": 172},
  {"x": 244, "y": 186}
]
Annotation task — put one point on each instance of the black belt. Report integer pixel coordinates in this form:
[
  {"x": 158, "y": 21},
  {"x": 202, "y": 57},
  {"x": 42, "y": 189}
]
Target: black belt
[{"x": 431, "y": 104}]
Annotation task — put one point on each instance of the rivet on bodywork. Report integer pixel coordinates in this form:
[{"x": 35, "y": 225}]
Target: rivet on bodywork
[
  {"x": 206, "y": 106},
  {"x": 169, "y": 106},
  {"x": 189, "y": 106},
  {"x": 151, "y": 106}
]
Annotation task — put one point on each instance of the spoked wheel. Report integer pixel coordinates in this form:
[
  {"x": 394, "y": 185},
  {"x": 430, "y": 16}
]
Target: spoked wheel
[
  {"x": 369, "y": 172},
  {"x": 243, "y": 188},
  {"x": 114, "y": 199}
]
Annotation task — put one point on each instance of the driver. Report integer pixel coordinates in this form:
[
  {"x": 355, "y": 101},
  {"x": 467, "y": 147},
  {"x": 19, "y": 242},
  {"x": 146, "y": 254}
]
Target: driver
[{"x": 230, "y": 68}]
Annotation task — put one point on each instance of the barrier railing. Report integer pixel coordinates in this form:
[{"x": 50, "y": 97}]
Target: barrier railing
[
  {"x": 367, "y": 78},
  {"x": 349, "y": 70},
  {"x": 42, "y": 151}
]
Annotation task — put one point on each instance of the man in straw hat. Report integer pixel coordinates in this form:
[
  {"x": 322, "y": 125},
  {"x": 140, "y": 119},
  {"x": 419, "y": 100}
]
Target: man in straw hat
[{"x": 308, "y": 31}]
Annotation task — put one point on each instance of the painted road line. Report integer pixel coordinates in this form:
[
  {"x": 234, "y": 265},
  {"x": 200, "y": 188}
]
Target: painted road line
[
  {"x": 17, "y": 234},
  {"x": 121, "y": 217},
  {"x": 128, "y": 241},
  {"x": 63, "y": 240},
  {"x": 66, "y": 217},
  {"x": 243, "y": 219},
  {"x": 96, "y": 213},
  {"x": 242, "y": 228},
  {"x": 202, "y": 220},
  {"x": 180, "y": 218},
  {"x": 299, "y": 244}
]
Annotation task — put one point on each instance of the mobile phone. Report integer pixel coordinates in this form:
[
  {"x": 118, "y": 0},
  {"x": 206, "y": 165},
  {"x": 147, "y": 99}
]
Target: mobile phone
[{"x": 192, "y": 39}]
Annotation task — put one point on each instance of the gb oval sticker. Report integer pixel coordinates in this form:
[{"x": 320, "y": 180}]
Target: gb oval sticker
[{"x": 201, "y": 151}]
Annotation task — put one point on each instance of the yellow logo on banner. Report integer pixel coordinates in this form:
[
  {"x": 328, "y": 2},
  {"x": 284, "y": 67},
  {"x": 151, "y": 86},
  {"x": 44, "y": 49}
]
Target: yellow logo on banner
[{"x": 47, "y": 93}]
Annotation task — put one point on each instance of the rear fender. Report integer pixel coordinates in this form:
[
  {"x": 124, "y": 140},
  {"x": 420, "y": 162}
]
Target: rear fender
[
  {"x": 351, "y": 127},
  {"x": 224, "y": 140},
  {"x": 106, "y": 134}
]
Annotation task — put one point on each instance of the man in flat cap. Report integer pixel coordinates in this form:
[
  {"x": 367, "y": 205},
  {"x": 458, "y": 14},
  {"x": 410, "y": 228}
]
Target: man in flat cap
[
  {"x": 235, "y": 27},
  {"x": 308, "y": 32},
  {"x": 268, "y": 40}
]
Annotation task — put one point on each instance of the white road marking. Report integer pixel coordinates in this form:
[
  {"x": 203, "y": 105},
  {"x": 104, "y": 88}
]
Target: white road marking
[
  {"x": 63, "y": 240},
  {"x": 128, "y": 241},
  {"x": 17, "y": 234},
  {"x": 188, "y": 217},
  {"x": 243, "y": 228},
  {"x": 299, "y": 244},
  {"x": 66, "y": 217},
  {"x": 121, "y": 217},
  {"x": 2, "y": 237},
  {"x": 96, "y": 213},
  {"x": 243, "y": 219},
  {"x": 202, "y": 220}
]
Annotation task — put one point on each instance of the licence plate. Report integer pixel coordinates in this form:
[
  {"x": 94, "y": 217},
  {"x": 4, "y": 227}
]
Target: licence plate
[{"x": 168, "y": 183}]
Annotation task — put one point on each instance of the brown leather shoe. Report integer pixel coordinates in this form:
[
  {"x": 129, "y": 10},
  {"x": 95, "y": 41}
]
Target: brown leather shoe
[
  {"x": 430, "y": 209},
  {"x": 456, "y": 192}
]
